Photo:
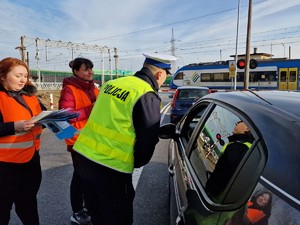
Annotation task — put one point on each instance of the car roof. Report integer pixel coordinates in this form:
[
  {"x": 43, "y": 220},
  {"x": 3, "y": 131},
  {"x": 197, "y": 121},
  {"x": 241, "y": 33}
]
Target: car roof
[
  {"x": 277, "y": 116},
  {"x": 192, "y": 87}
]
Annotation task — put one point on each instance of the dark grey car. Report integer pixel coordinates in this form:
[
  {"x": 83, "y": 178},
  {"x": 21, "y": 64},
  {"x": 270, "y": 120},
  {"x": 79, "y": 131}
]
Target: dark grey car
[
  {"x": 259, "y": 186},
  {"x": 183, "y": 98}
]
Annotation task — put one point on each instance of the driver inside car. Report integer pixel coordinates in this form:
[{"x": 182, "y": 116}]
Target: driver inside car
[{"x": 232, "y": 154}]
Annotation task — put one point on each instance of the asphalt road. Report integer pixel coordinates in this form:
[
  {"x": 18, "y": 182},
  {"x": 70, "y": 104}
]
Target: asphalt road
[{"x": 151, "y": 205}]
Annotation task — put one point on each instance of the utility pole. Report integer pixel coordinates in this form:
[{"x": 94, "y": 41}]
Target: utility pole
[
  {"x": 28, "y": 64},
  {"x": 247, "y": 60},
  {"x": 102, "y": 63},
  {"x": 173, "y": 43},
  {"x": 236, "y": 44},
  {"x": 37, "y": 57},
  {"x": 173, "y": 48},
  {"x": 109, "y": 64},
  {"x": 116, "y": 61},
  {"x": 22, "y": 49}
]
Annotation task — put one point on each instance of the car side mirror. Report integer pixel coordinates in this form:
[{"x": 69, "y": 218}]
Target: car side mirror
[
  {"x": 238, "y": 190},
  {"x": 171, "y": 96},
  {"x": 167, "y": 131}
]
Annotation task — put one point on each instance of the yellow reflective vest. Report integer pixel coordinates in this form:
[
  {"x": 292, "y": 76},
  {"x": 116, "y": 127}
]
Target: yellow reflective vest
[
  {"x": 108, "y": 138},
  {"x": 248, "y": 144}
]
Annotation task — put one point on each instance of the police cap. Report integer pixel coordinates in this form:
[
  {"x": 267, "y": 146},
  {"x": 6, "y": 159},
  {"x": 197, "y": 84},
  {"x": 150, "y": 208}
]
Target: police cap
[{"x": 159, "y": 60}]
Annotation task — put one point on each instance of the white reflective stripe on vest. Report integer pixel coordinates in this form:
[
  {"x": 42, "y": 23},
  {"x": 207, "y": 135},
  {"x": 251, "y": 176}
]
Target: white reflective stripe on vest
[{"x": 26, "y": 144}]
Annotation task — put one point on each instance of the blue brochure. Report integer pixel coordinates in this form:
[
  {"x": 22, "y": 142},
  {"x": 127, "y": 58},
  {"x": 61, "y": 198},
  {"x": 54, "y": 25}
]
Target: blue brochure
[
  {"x": 56, "y": 121},
  {"x": 61, "y": 129}
]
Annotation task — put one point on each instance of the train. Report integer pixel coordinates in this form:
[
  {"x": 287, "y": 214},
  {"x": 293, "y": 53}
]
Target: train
[{"x": 270, "y": 74}]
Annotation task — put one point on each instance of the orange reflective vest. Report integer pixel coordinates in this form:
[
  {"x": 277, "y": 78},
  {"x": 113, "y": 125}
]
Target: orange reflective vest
[
  {"x": 254, "y": 215},
  {"x": 20, "y": 147},
  {"x": 81, "y": 101}
]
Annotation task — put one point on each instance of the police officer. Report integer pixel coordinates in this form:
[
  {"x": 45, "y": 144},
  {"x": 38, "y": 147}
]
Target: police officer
[
  {"x": 232, "y": 154},
  {"x": 120, "y": 135}
]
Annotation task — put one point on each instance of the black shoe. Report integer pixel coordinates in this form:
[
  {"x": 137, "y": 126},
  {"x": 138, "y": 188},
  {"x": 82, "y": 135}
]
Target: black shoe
[{"x": 81, "y": 217}]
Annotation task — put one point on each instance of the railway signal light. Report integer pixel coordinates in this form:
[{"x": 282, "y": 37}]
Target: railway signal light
[
  {"x": 253, "y": 64},
  {"x": 241, "y": 63}
]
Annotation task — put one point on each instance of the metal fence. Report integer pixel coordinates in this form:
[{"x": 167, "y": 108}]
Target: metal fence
[{"x": 48, "y": 85}]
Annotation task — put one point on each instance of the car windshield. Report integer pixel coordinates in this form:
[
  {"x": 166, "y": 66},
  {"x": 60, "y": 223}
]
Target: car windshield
[{"x": 192, "y": 93}]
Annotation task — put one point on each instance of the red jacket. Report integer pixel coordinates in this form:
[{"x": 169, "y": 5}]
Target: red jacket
[{"x": 79, "y": 96}]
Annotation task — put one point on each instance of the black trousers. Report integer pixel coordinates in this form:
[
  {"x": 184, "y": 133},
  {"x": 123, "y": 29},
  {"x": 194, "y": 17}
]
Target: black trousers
[
  {"x": 108, "y": 193},
  {"x": 76, "y": 190},
  {"x": 19, "y": 184}
]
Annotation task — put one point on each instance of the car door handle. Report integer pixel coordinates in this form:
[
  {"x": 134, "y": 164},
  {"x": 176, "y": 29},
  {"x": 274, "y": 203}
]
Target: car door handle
[{"x": 171, "y": 170}]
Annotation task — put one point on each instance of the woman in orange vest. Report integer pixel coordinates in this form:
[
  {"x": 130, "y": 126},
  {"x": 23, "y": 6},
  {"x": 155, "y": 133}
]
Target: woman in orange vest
[
  {"x": 78, "y": 94},
  {"x": 257, "y": 211},
  {"x": 20, "y": 169}
]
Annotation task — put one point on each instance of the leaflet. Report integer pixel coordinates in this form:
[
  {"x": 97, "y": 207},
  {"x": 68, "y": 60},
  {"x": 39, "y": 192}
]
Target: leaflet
[
  {"x": 57, "y": 122},
  {"x": 56, "y": 115}
]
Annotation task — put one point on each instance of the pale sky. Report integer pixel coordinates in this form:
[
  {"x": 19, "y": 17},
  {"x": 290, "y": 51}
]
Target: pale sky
[{"x": 203, "y": 30}]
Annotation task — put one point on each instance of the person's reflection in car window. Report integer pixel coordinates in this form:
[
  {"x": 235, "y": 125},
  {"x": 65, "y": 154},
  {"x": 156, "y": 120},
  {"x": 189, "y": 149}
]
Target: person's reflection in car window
[
  {"x": 256, "y": 212},
  {"x": 232, "y": 154}
]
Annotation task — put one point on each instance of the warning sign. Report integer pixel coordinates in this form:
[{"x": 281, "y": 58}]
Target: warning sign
[{"x": 232, "y": 69}]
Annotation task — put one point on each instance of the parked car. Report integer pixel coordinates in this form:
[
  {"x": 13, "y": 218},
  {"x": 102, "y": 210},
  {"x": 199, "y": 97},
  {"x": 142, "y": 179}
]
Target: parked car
[
  {"x": 183, "y": 98},
  {"x": 255, "y": 182}
]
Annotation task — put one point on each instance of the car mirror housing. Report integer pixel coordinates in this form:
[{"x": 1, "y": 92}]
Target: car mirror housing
[
  {"x": 247, "y": 178},
  {"x": 167, "y": 131}
]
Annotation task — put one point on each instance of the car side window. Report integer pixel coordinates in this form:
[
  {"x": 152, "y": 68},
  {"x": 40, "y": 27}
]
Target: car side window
[
  {"x": 219, "y": 148},
  {"x": 190, "y": 121}
]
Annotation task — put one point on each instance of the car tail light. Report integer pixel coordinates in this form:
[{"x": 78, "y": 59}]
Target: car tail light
[
  {"x": 213, "y": 90},
  {"x": 173, "y": 104}
]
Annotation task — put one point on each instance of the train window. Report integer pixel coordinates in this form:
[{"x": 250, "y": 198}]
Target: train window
[
  {"x": 226, "y": 77},
  {"x": 214, "y": 77},
  {"x": 263, "y": 76},
  {"x": 179, "y": 76},
  {"x": 206, "y": 77},
  {"x": 251, "y": 77},
  {"x": 221, "y": 77},
  {"x": 292, "y": 76},
  {"x": 240, "y": 77},
  {"x": 218, "y": 77},
  {"x": 270, "y": 76},
  {"x": 283, "y": 76}
]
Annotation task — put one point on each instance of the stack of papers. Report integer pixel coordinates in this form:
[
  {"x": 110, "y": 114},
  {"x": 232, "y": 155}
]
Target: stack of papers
[
  {"x": 57, "y": 122},
  {"x": 56, "y": 115}
]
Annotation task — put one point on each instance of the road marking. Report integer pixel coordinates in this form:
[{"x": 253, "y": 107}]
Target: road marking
[
  {"x": 136, "y": 176},
  {"x": 164, "y": 110}
]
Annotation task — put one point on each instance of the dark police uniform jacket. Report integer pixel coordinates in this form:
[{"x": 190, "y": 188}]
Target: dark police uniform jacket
[{"x": 146, "y": 120}]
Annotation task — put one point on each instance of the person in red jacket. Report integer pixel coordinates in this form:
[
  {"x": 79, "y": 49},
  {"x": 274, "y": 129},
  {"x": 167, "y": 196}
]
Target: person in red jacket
[
  {"x": 257, "y": 211},
  {"x": 78, "y": 94},
  {"x": 20, "y": 169}
]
